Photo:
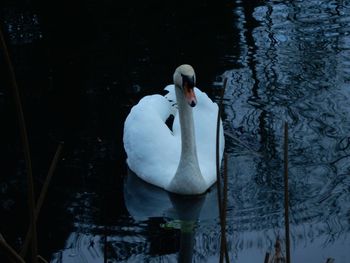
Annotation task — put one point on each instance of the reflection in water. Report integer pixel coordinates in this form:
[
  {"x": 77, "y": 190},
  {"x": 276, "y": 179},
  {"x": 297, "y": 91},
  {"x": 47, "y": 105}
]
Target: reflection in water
[
  {"x": 161, "y": 225},
  {"x": 145, "y": 201},
  {"x": 295, "y": 69},
  {"x": 293, "y": 65}
]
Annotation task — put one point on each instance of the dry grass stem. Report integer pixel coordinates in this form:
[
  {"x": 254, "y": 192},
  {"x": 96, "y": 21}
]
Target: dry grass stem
[
  {"x": 42, "y": 196},
  {"x": 25, "y": 142},
  {"x": 9, "y": 251},
  {"x": 286, "y": 193}
]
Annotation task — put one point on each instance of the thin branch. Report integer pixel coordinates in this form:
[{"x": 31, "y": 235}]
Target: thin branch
[{"x": 26, "y": 148}]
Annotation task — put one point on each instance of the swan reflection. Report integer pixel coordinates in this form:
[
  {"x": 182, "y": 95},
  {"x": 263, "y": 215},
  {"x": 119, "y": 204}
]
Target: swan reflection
[{"x": 144, "y": 201}]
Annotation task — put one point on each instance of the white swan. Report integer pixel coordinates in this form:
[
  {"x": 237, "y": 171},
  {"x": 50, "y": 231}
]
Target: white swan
[{"x": 181, "y": 160}]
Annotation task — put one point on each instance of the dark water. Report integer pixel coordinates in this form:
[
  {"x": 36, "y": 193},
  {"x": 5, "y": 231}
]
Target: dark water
[{"x": 82, "y": 65}]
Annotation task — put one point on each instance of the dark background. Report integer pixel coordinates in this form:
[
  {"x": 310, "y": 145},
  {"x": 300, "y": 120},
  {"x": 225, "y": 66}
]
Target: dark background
[{"x": 80, "y": 66}]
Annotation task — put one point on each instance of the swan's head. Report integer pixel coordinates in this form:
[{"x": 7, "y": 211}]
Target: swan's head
[{"x": 185, "y": 79}]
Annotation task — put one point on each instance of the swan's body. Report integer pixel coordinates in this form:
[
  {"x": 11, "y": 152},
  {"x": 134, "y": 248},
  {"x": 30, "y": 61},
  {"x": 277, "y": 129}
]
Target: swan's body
[{"x": 159, "y": 155}]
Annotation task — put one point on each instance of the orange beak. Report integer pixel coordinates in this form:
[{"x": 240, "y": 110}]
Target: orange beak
[{"x": 190, "y": 95}]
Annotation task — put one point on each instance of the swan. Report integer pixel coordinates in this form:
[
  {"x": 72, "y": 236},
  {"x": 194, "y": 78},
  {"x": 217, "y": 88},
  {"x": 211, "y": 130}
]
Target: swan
[{"x": 182, "y": 159}]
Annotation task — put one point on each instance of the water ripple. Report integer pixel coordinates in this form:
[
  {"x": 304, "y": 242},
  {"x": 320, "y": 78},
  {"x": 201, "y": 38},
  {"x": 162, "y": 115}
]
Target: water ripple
[{"x": 299, "y": 73}]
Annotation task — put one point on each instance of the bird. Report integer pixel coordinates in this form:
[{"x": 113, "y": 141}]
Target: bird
[{"x": 181, "y": 158}]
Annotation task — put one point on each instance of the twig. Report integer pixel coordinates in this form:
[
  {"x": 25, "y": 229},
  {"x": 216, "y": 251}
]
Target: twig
[
  {"x": 286, "y": 194},
  {"x": 25, "y": 142},
  {"x": 9, "y": 251},
  {"x": 42, "y": 196},
  {"x": 243, "y": 145}
]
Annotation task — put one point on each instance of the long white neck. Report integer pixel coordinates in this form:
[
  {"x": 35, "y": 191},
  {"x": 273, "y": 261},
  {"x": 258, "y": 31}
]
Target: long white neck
[
  {"x": 188, "y": 140},
  {"x": 188, "y": 178}
]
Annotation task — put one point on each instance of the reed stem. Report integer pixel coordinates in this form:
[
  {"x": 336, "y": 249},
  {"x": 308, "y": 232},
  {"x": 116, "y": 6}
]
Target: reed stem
[
  {"x": 221, "y": 202},
  {"x": 218, "y": 144},
  {"x": 43, "y": 260},
  {"x": 224, "y": 207},
  {"x": 9, "y": 251},
  {"x": 267, "y": 257},
  {"x": 286, "y": 193},
  {"x": 26, "y": 148},
  {"x": 105, "y": 256}
]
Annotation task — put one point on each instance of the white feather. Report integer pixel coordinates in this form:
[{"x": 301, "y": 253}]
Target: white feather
[{"x": 154, "y": 151}]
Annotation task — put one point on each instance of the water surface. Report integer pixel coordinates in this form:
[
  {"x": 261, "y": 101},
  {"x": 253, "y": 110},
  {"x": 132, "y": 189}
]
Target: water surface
[{"x": 285, "y": 62}]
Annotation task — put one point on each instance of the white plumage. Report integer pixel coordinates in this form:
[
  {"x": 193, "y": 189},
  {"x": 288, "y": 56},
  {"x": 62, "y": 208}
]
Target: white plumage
[{"x": 154, "y": 151}]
